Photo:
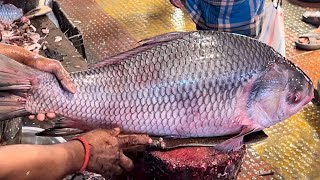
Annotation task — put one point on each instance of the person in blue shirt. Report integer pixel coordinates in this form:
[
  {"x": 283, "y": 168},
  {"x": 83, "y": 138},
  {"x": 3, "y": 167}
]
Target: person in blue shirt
[{"x": 236, "y": 16}]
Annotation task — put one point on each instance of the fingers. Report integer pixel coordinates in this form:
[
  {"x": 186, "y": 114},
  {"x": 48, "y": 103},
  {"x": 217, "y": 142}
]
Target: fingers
[
  {"x": 107, "y": 132},
  {"x": 114, "y": 132},
  {"x": 135, "y": 148},
  {"x": 63, "y": 76},
  {"x": 41, "y": 117},
  {"x": 125, "y": 162},
  {"x": 117, "y": 170},
  {"x": 51, "y": 115},
  {"x": 55, "y": 67},
  {"x": 113, "y": 170},
  {"x": 126, "y": 141}
]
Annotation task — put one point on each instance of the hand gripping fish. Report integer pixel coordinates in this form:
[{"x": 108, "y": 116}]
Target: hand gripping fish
[{"x": 188, "y": 84}]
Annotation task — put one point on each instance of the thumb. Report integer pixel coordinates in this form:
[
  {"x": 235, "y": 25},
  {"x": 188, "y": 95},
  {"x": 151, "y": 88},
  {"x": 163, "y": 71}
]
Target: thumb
[{"x": 114, "y": 131}]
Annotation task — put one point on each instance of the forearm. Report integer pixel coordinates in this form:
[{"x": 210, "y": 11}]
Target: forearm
[
  {"x": 19, "y": 54},
  {"x": 40, "y": 162}
]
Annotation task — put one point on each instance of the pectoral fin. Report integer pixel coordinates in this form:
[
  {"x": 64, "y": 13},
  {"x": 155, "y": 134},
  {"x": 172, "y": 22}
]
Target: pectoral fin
[
  {"x": 236, "y": 142},
  {"x": 64, "y": 127}
]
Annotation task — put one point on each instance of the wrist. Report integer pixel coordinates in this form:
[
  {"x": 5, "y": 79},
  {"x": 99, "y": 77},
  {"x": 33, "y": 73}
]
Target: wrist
[
  {"x": 76, "y": 153},
  {"x": 87, "y": 152}
]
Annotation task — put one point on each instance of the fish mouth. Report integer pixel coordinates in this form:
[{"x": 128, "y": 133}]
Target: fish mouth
[{"x": 310, "y": 96}]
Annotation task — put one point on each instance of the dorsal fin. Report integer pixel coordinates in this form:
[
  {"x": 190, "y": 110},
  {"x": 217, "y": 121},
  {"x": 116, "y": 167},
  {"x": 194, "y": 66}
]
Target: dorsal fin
[
  {"x": 163, "y": 38},
  {"x": 143, "y": 45}
]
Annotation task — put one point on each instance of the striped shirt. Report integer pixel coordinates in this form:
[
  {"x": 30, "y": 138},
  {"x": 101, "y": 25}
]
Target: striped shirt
[{"x": 236, "y": 16}]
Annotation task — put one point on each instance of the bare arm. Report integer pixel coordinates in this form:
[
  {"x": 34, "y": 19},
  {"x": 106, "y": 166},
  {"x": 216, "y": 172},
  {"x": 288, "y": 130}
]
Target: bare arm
[
  {"x": 56, "y": 161},
  {"x": 45, "y": 161}
]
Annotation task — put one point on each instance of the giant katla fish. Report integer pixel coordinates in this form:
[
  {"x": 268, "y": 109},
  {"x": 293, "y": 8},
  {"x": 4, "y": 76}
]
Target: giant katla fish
[{"x": 188, "y": 84}]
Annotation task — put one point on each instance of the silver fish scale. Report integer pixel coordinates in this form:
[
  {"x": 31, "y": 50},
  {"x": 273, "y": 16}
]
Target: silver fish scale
[
  {"x": 9, "y": 13},
  {"x": 185, "y": 87}
]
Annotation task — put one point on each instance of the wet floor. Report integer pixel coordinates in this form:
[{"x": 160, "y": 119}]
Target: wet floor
[{"x": 292, "y": 150}]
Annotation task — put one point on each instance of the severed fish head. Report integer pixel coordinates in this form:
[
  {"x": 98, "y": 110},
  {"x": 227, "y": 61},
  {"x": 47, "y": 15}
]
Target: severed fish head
[{"x": 279, "y": 93}]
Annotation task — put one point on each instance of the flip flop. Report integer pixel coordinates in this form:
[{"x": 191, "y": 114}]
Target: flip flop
[
  {"x": 312, "y": 17},
  {"x": 312, "y": 45}
]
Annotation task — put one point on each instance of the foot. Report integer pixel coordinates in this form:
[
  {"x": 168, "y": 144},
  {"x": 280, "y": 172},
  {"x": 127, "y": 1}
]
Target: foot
[
  {"x": 312, "y": 17},
  {"x": 305, "y": 40}
]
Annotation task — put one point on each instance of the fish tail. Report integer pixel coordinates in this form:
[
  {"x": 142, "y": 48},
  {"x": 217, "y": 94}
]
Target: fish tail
[{"x": 16, "y": 80}]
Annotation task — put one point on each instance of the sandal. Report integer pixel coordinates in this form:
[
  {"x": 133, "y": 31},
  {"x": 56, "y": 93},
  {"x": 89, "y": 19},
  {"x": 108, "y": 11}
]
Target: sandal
[
  {"x": 313, "y": 44},
  {"x": 312, "y": 17}
]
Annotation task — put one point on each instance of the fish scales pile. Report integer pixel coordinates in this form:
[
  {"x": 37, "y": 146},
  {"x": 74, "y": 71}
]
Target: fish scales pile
[{"x": 17, "y": 33}]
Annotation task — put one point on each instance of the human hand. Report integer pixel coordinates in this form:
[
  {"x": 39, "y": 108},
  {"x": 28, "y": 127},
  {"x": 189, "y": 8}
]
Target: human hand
[
  {"x": 28, "y": 58},
  {"x": 106, "y": 151},
  {"x": 55, "y": 67}
]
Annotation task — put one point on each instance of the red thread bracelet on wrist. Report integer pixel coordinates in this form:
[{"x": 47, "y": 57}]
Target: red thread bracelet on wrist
[{"x": 87, "y": 152}]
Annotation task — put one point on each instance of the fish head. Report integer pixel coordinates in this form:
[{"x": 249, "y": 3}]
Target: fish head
[
  {"x": 299, "y": 90},
  {"x": 279, "y": 93}
]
